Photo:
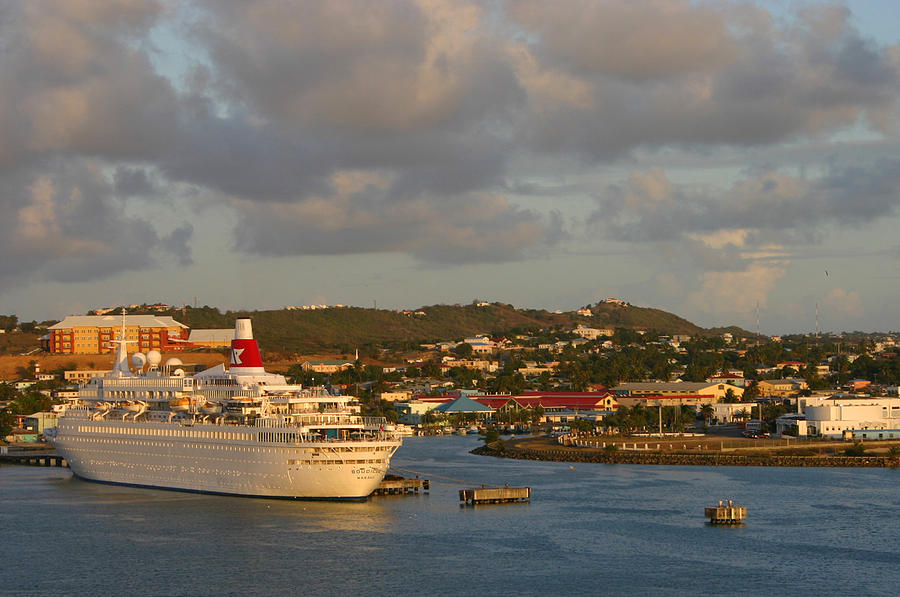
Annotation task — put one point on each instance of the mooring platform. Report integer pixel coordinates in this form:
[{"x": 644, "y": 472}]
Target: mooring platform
[
  {"x": 726, "y": 513},
  {"x": 495, "y": 495},
  {"x": 395, "y": 485}
]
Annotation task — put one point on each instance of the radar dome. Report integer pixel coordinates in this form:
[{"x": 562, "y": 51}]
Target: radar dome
[
  {"x": 139, "y": 359},
  {"x": 173, "y": 362},
  {"x": 153, "y": 357},
  {"x": 178, "y": 373}
]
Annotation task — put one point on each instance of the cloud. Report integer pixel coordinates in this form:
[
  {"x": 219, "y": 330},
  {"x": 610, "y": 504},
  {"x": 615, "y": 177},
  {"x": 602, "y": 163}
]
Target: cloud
[
  {"x": 72, "y": 82},
  {"x": 134, "y": 182},
  {"x": 631, "y": 40},
  {"x": 841, "y": 303},
  {"x": 397, "y": 126},
  {"x": 64, "y": 224},
  {"x": 177, "y": 243},
  {"x": 753, "y": 211},
  {"x": 672, "y": 72},
  {"x": 736, "y": 292},
  {"x": 361, "y": 217}
]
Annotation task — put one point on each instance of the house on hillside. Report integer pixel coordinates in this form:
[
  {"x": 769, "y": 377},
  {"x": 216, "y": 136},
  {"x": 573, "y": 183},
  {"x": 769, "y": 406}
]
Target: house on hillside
[
  {"x": 681, "y": 388},
  {"x": 781, "y": 388},
  {"x": 326, "y": 366}
]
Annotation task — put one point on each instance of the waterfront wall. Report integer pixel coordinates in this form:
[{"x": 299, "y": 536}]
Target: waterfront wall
[{"x": 626, "y": 457}]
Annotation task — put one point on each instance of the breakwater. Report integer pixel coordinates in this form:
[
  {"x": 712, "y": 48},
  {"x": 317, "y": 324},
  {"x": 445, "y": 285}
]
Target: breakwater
[{"x": 662, "y": 458}]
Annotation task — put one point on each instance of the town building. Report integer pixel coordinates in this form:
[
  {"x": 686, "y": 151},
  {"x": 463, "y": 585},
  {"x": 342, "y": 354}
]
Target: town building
[
  {"x": 657, "y": 400},
  {"x": 211, "y": 338},
  {"x": 475, "y": 364},
  {"x": 82, "y": 376},
  {"x": 731, "y": 412},
  {"x": 395, "y": 396},
  {"x": 712, "y": 392},
  {"x": 94, "y": 334},
  {"x": 326, "y": 366},
  {"x": 480, "y": 344},
  {"x": 589, "y": 333},
  {"x": 835, "y": 416},
  {"x": 735, "y": 378},
  {"x": 781, "y": 388}
]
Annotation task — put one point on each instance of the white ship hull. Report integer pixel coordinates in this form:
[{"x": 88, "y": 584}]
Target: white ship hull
[{"x": 222, "y": 459}]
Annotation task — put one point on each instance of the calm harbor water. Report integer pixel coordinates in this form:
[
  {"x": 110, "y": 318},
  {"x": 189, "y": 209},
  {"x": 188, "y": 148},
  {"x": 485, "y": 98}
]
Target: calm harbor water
[{"x": 590, "y": 530}]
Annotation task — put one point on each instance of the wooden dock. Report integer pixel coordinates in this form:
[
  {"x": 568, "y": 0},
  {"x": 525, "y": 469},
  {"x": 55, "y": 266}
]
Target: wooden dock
[
  {"x": 495, "y": 495},
  {"x": 34, "y": 459},
  {"x": 726, "y": 513},
  {"x": 394, "y": 485}
]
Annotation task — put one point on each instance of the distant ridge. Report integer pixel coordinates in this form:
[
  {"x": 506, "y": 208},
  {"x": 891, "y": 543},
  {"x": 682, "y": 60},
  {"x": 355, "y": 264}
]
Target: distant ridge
[{"x": 347, "y": 328}]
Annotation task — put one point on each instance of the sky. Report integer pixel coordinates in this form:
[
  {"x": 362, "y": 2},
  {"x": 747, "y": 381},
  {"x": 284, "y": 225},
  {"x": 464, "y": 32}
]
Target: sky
[{"x": 713, "y": 159}]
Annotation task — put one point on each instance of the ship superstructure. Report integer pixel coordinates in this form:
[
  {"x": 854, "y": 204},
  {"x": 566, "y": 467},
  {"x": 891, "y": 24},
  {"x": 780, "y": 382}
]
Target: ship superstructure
[{"x": 236, "y": 431}]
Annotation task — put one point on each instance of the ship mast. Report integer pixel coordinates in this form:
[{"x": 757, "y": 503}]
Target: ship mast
[{"x": 120, "y": 369}]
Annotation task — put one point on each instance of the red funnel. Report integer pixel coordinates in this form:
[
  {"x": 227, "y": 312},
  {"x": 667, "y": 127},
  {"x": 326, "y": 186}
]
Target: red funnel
[{"x": 244, "y": 349}]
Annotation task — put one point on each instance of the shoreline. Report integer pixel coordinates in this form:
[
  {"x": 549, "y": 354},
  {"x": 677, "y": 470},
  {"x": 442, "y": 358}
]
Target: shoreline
[{"x": 511, "y": 449}]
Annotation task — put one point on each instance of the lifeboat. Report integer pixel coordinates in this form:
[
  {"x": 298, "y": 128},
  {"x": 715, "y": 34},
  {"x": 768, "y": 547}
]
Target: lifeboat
[
  {"x": 180, "y": 404},
  {"x": 131, "y": 406},
  {"x": 209, "y": 408}
]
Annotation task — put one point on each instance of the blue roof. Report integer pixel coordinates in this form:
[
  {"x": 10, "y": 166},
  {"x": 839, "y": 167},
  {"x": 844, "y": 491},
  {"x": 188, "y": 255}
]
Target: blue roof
[{"x": 463, "y": 404}]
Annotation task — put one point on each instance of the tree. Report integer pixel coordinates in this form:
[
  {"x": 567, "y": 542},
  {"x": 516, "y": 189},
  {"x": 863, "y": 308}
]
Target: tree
[
  {"x": 8, "y": 322},
  {"x": 707, "y": 410},
  {"x": 751, "y": 392},
  {"x": 857, "y": 449},
  {"x": 581, "y": 425},
  {"x": 431, "y": 369},
  {"x": 463, "y": 350},
  {"x": 30, "y": 403},
  {"x": 537, "y": 413},
  {"x": 6, "y": 422}
]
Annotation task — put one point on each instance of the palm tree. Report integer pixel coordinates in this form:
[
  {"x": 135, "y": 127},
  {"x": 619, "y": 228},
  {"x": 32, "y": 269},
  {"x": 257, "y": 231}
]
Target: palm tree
[{"x": 707, "y": 411}]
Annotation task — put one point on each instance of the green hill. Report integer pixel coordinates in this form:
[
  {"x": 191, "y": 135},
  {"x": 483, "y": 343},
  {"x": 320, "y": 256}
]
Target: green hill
[
  {"x": 607, "y": 315},
  {"x": 348, "y": 328}
]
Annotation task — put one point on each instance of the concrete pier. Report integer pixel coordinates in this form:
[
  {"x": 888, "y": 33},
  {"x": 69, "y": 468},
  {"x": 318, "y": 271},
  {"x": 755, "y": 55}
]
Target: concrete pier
[{"x": 496, "y": 495}]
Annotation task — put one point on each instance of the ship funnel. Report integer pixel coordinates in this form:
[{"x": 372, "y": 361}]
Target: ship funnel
[{"x": 244, "y": 349}]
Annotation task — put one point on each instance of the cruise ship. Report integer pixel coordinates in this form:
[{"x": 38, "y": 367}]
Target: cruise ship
[{"x": 236, "y": 431}]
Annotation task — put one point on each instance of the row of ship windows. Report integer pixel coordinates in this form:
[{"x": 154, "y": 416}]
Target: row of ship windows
[
  {"x": 195, "y": 433},
  {"x": 122, "y": 442},
  {"x": 202, "y": 434},
  {"x": 273, "y": 437}
]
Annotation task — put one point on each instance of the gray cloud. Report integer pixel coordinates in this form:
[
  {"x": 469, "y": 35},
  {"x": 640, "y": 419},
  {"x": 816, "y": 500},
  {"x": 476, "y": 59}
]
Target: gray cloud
[
  {"x": 177, "y": 243},
  {"x": 77, "y": 96},
  {"x": 357, "y": 126},
  {"x": 764, "y": 208},
  {"x": 63, "y": 223},
  {"x": 132, "y": 182},
  {"x": 461, "y": 229},
  {"x": 727, "y": 75}
]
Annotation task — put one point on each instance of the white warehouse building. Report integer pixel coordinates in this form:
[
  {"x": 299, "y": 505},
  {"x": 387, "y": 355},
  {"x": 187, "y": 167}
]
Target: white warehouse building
[{"x": 835, "y": 415}]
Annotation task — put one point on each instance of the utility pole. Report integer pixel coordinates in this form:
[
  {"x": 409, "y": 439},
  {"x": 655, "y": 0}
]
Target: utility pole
[
  {"x": 757, "y": 332},
  {"x": 817, "y": 322}
]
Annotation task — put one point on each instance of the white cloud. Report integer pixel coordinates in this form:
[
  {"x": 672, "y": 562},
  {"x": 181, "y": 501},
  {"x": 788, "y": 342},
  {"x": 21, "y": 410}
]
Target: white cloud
[
  {"x": 842, "y": 303},
  {"x": 736, "y": 293}
]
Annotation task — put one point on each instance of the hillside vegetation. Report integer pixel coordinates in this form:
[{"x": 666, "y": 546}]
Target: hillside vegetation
[{"x": 345, "y": 329}]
